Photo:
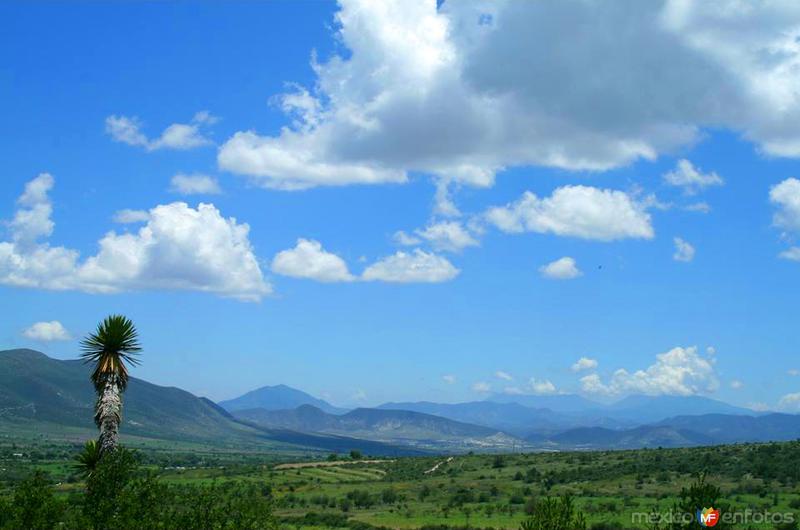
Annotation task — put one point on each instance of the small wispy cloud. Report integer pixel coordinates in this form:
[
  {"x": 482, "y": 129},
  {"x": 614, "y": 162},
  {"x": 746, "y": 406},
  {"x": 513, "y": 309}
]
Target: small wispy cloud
[
  {"x": 178, "y": 136},
  {"x": 584, "y": 363},
  {"x": 482, "y": 387},
  {"x": 194, "y": 184},
  {"x": 684, "y": 251},
  {"x": 128, "y": 216},
  {"x": 690, "y": 178}
]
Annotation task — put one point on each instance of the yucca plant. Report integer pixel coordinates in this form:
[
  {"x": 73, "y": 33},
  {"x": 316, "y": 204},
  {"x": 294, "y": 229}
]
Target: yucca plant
[
  {"x": 114, "y": 344},
  {"x": 86, "y": 461}
]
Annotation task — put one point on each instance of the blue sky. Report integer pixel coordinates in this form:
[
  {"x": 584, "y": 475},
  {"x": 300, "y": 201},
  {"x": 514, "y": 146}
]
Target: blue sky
[{"x": 344, "y": 124}]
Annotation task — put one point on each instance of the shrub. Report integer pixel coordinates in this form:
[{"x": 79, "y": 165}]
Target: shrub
[
  {"x": 33, "y": 505},
  {"x": 555, "y": 514}
]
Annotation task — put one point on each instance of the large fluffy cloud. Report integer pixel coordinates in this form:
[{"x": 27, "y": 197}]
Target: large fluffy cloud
[
  {"x": 680, "y": 371},
  {"x": 466, "y": 89},
  {"x": 578, "y": 211},
  {"x": 178, "y": 247}
]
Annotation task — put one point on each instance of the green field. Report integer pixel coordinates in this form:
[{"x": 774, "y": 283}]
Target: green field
[{"x": 468, "y": 491}]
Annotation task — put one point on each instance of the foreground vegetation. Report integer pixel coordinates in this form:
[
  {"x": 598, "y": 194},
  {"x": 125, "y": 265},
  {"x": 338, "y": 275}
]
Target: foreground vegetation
[
  {"x": 100, "y": 485},
  {"x": 42, "y": 486}
]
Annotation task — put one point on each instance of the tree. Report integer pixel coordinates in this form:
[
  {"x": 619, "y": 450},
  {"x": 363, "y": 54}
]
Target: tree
[
  {"x": 107, "y": 489},
  {"x": 114, "y": 344},
  {"x": 34, "y": 506},
  {"x": 699, "y": 495}
]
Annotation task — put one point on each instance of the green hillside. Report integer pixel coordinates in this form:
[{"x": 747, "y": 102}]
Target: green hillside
[{"x": 45, "y": 397}]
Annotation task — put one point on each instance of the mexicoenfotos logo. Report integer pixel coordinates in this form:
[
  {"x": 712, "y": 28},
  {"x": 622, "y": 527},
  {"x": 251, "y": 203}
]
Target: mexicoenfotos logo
[{"x": 708, "y": 517}]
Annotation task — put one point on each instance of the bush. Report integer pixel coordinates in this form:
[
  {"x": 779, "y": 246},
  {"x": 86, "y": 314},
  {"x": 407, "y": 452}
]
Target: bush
[
  {"x": 555, "y": 514},
  {"x": 119, "y": 496},
  {"x": 33, "y": 506},
  {"x": 105, "y": 488}
]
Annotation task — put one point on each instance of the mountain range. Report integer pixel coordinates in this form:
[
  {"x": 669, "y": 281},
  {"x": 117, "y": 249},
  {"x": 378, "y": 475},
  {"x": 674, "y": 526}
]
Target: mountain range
[
  {"x": 391, "y": 426},
  {"x": 41, "y": 396}
]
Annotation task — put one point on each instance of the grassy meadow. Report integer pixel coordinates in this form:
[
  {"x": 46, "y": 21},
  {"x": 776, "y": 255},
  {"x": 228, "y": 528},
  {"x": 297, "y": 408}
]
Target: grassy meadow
[{"x": 462, "y": 491}]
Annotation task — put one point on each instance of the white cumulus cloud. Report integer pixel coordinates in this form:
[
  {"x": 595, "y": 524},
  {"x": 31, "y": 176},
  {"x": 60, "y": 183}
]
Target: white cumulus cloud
[
  {"x": 584, "y": 363},
  {"x": 500, "y": 374},
  {"x": 178, "y": 247},
  {"x": 680, "y": 371},
  {"x": 561, "y": 269},
  {"x": 542, "y": 386},
  {"x": 411, "y": 267},
  {"x": 47, "y": 331},
  {"x": 449, "y": 379},
  {"x": 466, "y": 89},
  {"x": 577, "y": 211},
  {"x": 32, "y": 219},
  {"x": 449, "y": 236},
  {"x": 790, "y": 402},
  {"x": 786, "y": 197},
  {"x": 792, "y": 254},
  {"x": 309, "y": 260}
]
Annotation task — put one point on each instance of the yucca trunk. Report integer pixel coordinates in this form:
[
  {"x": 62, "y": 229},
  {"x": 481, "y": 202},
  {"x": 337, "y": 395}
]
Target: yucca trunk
[{"x": 108, "y": 414}]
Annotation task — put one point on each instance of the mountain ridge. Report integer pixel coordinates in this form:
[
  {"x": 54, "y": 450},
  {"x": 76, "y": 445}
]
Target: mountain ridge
[
  {"x": 277, "y": 397},
  {"x": 42, "y": 395}
]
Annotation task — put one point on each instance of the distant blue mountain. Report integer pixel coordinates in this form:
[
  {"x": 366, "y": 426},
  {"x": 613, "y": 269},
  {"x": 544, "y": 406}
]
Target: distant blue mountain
[
  {"x": 680, "y": 431},
  {"x": 509, "y": 417},
  {"x": 651, "y": 409},
  {"x": 727, "y": 428},
  {"x": 554, "y": 402},
  {"x": 636, "y": 438},
  {"x": 279, "y": 397},
  {"x": 365, "y": 423},
  {"x": 629, "y": 411}
]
